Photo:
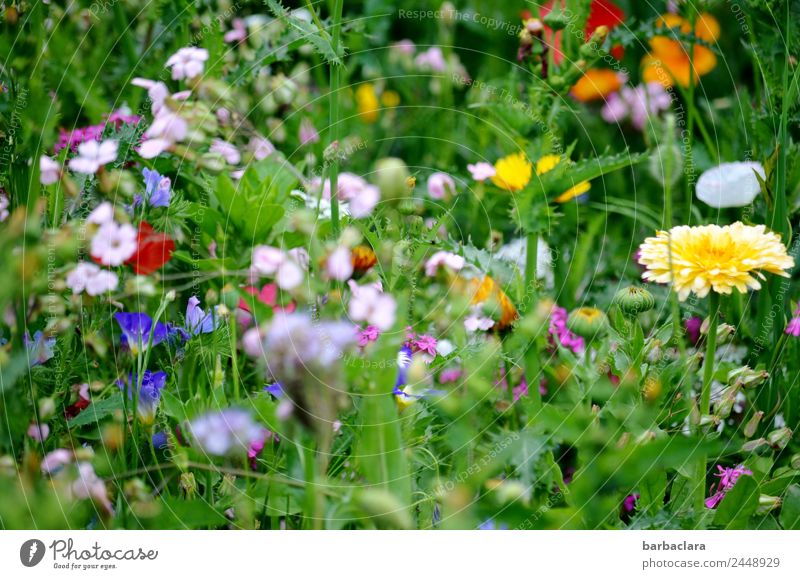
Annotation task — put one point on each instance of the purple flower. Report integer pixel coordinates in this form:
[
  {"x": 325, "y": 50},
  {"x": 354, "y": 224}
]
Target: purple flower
[
  {"x": 424, "y": 343},
  {"x": 197, "y": 321},
  {"x": 727, "y": 480},
  {"x": 156, "y": 189},
  {"x": 40, "y": 348},
  {"x": 276, "y": 389},
  {"x": 367, "y": 335},
  {"x": 793, "y": 327},
  {"x": 629, "y": 504},
  {"x": 561, "y": 334},
  {"x": 160, "y": 440},
  {"x": 149, "y": 393},
  {"x": 693, "y": 326},
  {"x": 136, "y": 328},
  {"x": 231, "y": 431}
]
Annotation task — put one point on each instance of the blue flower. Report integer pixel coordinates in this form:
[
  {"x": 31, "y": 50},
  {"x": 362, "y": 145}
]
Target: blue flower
[
  {"x": 156, "y": 189},
  {"x": 275, "y": 389},
  {"x": 149, "y": 393},
  {"x": 490, "y": 525},
  {"x": 160, "y": 440},
  {"x": 40, "y": 348},
  {"x": 136, "y": 328},
  {"x": 197, "y": 321}
]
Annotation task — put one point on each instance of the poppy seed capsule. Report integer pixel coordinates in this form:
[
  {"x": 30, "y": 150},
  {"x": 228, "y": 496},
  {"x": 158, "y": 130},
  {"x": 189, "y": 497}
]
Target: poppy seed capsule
[{"x": 634, "y": 300}]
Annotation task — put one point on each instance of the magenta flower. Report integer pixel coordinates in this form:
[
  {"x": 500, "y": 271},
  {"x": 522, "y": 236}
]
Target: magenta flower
[
  {"x": 561, "y": 334},
  {"x": 793, "y": 327},
  {"x": 693, "y": 326},
  {"x": 367, "y": 335},
  {"x": 727, "y": 480},
  {"x": 424, "y": 343}
]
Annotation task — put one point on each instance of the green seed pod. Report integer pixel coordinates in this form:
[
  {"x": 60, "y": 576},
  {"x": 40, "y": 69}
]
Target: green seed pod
[
  {"x": 587, "y": 322},
  {"x": 634, "y": 300}
]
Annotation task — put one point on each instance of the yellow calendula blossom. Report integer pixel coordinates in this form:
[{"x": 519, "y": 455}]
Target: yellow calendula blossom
[
  {"x": 367, "y": 103},
  {"x": 548, "y": 163},
  {"x": 513, "y": 172},
  {"x": 713, "y": 257}
]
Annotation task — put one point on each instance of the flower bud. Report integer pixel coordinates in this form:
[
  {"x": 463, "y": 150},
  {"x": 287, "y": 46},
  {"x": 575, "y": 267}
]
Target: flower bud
[
  {"x": 556, "y": 20},
  {"x": 634, "y": 300},
  {"x": 724, "y": 405},
  {"x": 391, "y": 176},
  {"x": 767, "y": 503},
  {"x": 780, "y": 438},
  {"x": 746, "y": 377},
  {"x": 188, "y": 484},
  {"x": 752, "y": 424},
  {"x": 587, "y": 322},
  {"x": 757, "y": 446}
]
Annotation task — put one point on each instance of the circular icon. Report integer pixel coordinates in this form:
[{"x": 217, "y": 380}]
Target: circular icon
[{"x": 31, "y": 553}]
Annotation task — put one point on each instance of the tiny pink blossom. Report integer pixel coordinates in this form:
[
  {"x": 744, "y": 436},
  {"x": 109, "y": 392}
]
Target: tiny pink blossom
[
  {"x": 370, "y": 305},
  {"x": 481, "y": 171},
  {"x": 441, "y": 185},
  {"x": 339, "y": 265},
  {"x": 443, "y": 259},
  {"x": 49, "y": 170},
  {"x": 187, "y": 62},
  {"x": 267, "y": 259},
  {"x": 367, "y": 335},
  {"x": 39, "y": 432},
  {"x": 226, "y": 150},
  {"x": 308, "y": 134}
]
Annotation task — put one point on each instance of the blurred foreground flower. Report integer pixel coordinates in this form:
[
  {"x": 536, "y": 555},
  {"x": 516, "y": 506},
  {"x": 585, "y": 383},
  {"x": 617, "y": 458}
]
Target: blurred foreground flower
[
  {"x": 730, "y": 184},
  {"x": 669, "y": 61}
]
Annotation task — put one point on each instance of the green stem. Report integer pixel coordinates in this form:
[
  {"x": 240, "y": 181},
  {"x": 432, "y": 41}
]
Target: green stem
[
  {"x": 705, "y": 396},
  {"x": 336, "y": 28},
  {"x": 234, "y": 361},
  {"x": 532, "y": 354}
]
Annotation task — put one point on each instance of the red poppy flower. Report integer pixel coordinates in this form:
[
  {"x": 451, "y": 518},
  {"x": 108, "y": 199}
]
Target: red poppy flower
[
  {"x": 601, "y": 13},
  {"x": 153, "y": 250}
]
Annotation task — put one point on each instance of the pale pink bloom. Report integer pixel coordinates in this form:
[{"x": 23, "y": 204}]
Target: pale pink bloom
[
  {"x": 78, "y": 278},
  {"x": 405, "y": 46},
  {"x": 113, "y": 244},
  {"x": 362, "y": 203},
  {"x": 156, "y": 90},
  {"x": 228, "y": 152},
  {"x": 39, "y": 432},
  {"x": 187, "y": 62},
  {"x": 443, "y": 259},
  {"x": 167, "y": 129},
  {"x": 481, "y": 171},
  {"x": 289, "y": 275},
  {"x": 261, "y": 148},
  {"x": 89, "y": 486},
  {"x": 308, "y": 134},
  {"x": 374, "y": 307},
  {"x": 300, "y": 255},
  {"x": 431, "y": 59},
  {"x": 252, "y": 342},
  {"x": 93, "y": 155},
  {"x": 238, "y": 32},
  {"x": 267, "y": 259},
  {"x": 55, "y": 460},
  {"x": 103, "y": 213},
  {"x": 476, "y": 321},
  {"x": 339, "y": 265},
  {"x": 102, "y": 283},
  {"x": 49, "y": 170},
  {"x": 441, "y": 185},
  {"x": 3, "y": 207}
]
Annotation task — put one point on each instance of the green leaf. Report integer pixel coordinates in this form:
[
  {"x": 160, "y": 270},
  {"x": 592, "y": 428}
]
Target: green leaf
[
  {"x": 189, "y": 514},
  {"x": 652, "y": 492},
  {"x": 790, "y": 511},
  {"x": 97, "y": 410},
  {"x": 739, "y": 503}
]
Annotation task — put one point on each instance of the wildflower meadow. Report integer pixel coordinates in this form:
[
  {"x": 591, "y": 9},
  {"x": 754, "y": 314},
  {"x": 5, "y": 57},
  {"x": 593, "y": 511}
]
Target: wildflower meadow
[{"x": 411, "y": 265}]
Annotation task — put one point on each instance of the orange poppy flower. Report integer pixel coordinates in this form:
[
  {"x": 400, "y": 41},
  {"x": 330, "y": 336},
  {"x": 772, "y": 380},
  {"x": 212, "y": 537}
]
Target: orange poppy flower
[
  {"x": 596, "y": 84},
  {"x": 669, "y": 61}
]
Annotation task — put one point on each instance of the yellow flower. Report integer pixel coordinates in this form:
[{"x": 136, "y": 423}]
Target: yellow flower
[
  {"x": 710, "y": 257},
  {"x": 548, "y": 163},
  {"x": 669, "y": 61},
  {"x": 390, "y": 98},
  {"x": 367, "y": 102},
  {"x": 513, "y": 172}
]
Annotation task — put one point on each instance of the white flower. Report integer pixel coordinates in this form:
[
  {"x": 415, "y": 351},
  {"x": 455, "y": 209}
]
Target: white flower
[
  {"x": 156, "y": 90},
  {"x": 445, "y": 347},
  {"x": 300, "y": 255},
  {"x": 446, "y": 259},
  {"x": 113, "y": 244},
  {"x": 101, "y": 214},
  {"x": 441, "y": 185},
  {"x": 481, "y": 171},
  {"x": 227, "y": 151},
  {"x": 49, "y": 170},
  {"x": 167, "y": 129},
  {"x": 339, "y": 265},
  {"x": 187, "y": 62},
  {"x": 370, "y": 305},
  {"x": 101, "y": 283},
  {"x": 477, "y": 321},
  {"x": 267, "y": 259},
  {"x": 78, "y": 278},
  {"x": 93, "y": 155},
  {"x": 730, "y": 184}
]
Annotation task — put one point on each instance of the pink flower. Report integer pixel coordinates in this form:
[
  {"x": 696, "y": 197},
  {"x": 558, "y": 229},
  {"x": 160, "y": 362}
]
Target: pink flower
[
  {"x": 238, "y": 32},
  {"x": 167, "y": 129},
  {"x": 443, "y": 259},
  {"x": 561, "y": 334},
  {"x": 339, "y": 265},
  {"x": 405, "y": 47},
  {"x": 261, "y": 148},
  {"x": 226, "y": 150},
  {"x": 476, "y": 321},
  {"x": 101, "y": 214},
  {"x": 364, "y": 201},
  {"x": 267, "y": 259},
  {"x": 481, "y": 171},
  {"x": 56, "y": 460},
  {"x": 289, "y": 275},
  {"x": 187, "y": 62},
  {"x": 308, "y": 134},
  {"x": 39, "y": 432},
  {"x": 92, "y": 155},
  {"x": 727, "y": 480},
  {"x": 367, "y": 335},
  {"x": 431, "y": 59},
  {"x": 49, "y": 170},
  {"x": 450, "y": 375},
  {"x": 157, "y": 91},
  {"x": 425, "y": 344},
  {"x": 114, "y": 244},
  {"x": 793, "y": 327},
  {"x": 369, "y": 304},
  {"x": 441, "y": 185},
  {"x": 3, "y": 206}
]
